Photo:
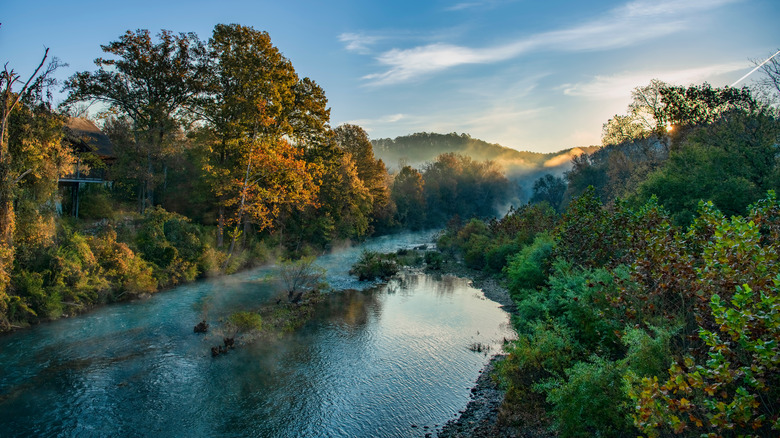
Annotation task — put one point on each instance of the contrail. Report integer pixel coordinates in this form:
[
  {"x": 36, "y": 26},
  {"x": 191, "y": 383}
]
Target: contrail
[{"x": 757, "y": 67}]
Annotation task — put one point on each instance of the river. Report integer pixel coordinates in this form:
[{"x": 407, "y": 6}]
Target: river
[{"x": 392, "y": 361}]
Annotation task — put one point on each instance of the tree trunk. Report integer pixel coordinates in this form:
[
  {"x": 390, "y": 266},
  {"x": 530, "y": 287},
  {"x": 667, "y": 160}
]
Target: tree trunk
[
  {"x": 242, "y": 204},
  {"x": 221, "y": 223},
  {"x": 247, "y": 230},
  {"x": 7, "y": 225}
]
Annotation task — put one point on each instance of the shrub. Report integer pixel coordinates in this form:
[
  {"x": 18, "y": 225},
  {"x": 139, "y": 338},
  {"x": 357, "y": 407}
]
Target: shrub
[
  {"x": 373, "y": 265},
  {"x": 592, "y": 401},
  {"x": 74, "y": 271},
  {"x": 38, "y": 302},
  {"x": 245, "y": 321},
  {"x": 497, "y": 257},
  {"x": 210, "y": 261},
  {"x": 299, "y": 276},
  {"x": 543, "y": 353},
  {"x": 433, "y": 260},
  {"x": 648, "y": 356},
  {"x": 736, "y": 387},
  {"x": 529, "y": 268},
  {"x": 95, "y": 203},
  {"x": 172, "y": 244},
  {"x": 126, "y": 271}
]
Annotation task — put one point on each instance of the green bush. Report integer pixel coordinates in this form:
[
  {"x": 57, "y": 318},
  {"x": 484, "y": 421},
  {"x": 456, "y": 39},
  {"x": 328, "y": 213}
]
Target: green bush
[
  {"x": 38, "y": 301},
  {"x": 245, "y": 321},
  {"x": 127, "y": 273},
  {"x": 434, "y": 260},
  {"x": 74, "y": 271},
  {"x": 497, "y": 257},
  {"x": 95, "y": 203},
  {"x": 579, "y": 298},
  {"x": 409, "y": 257},
  {"x": 373, "y": 265},
  {"x": 210, "y": 261},
  {"x": 591, "y": 401},
  {"x": 648, "y": 356},
  {"x": 528, "y": 269},
  {"x": 474, "y": 251},
  {"x": 544, "y": 352},
  {"x": 172, "y": 244}
]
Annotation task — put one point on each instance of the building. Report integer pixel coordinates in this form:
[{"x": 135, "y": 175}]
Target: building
[{"x": 94, "y": 156}]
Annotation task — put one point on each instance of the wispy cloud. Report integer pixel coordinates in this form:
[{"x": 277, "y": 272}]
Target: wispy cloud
[
  {"x": 477, "y": 4},
  {"x": 500, "y": 110},
  {"x": 383, "y": 120},
  {"x": 620, "y": 85},
  {"x": 626, "y": 25},
  {"x": 358, "y": 42}
]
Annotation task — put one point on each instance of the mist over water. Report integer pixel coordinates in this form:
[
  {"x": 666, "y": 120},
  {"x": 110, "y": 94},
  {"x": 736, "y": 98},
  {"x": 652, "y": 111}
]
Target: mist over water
[{"x": 372, "y": 362}]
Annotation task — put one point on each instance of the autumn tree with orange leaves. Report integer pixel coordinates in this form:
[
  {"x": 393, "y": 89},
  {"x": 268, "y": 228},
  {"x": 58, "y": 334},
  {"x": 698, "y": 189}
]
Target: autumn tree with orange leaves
[{"x": 261, "y": 116}]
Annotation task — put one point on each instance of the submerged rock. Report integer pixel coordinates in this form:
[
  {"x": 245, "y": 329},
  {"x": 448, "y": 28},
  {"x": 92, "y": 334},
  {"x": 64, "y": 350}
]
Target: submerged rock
[{"x": 201, "y": 327}]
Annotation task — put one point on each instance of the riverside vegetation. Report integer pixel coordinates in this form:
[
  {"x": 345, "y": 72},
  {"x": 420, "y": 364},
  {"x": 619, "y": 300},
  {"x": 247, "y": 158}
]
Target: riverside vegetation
[{"x": 649, "y": 304}]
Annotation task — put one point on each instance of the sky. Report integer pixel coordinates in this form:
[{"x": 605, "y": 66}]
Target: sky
[{"x": 538, "y": 75}]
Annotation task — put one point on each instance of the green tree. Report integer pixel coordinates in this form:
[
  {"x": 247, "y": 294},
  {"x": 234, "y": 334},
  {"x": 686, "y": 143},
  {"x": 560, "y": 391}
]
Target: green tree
[
  {"x": 731, "y": 162},
  {"x": 550, "y": 189},
  {"x": 344, "y": 204},
  {"x": 645, "y": 116},
  {"x": 151, "y": 83},
  {"x": 457, "y": 185},
  {"x": 408, "y": 193},
  {"x": 687, "y": 107}
]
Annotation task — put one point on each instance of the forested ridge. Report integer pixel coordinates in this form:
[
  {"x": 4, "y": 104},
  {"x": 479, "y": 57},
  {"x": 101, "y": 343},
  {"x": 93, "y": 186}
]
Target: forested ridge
[
  {"x": 646, "y": 278},
  {"x": 223, "y": 158},
  {"x": 422, "y": 147}
]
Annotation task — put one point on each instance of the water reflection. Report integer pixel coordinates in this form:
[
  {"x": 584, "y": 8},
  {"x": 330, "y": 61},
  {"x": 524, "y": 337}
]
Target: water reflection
[{"x": 351, "y": 308}]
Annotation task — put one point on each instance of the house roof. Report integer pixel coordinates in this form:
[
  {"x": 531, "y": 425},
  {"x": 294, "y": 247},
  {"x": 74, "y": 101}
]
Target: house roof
[{"x": 85, "y": 135}]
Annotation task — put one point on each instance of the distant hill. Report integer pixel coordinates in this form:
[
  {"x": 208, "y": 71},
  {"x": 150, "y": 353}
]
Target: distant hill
[{"x": 420, "y": 148}]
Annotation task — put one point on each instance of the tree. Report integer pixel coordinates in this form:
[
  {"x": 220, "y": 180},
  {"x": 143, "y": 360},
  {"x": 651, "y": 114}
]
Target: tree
[
  {"x": 457, "y": 185},
  {"x": 647, "y": 106},
  {"x": 732, "y": 162},
  {"x": 354, "y": 140},
  {"x": 550, "y": 189},
  {"x": 768, "y": 86},
  {"x": 23, "y": 157},
  {"x": 688, "y": 107},
  {"x": 309, "y": 115},
  {"x": 408, "y": 193},
  {"x": 299, "y": 276},
  {"x": 585, "y": 172},
  {"x": 255, "y": 105},
  {"x": 620, "y": 129},
  {"x": 151, "y": 83}
]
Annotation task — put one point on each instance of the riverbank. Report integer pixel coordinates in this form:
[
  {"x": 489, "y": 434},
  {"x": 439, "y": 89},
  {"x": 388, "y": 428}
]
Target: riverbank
[{"x": 480, "y": 418}]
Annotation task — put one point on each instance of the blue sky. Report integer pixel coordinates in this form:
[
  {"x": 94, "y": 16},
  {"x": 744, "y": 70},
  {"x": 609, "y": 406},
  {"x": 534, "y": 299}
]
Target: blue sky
[{"x": 528, "y": 74}]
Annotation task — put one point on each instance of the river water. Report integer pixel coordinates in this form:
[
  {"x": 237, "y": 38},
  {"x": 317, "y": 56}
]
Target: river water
[{"x": 372, "y": 362}]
